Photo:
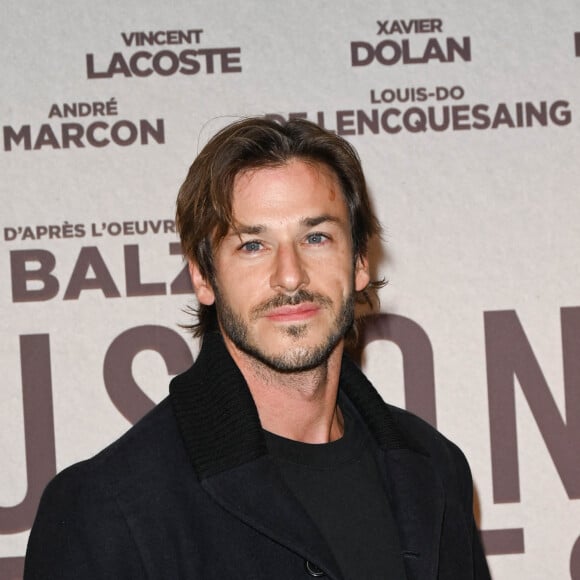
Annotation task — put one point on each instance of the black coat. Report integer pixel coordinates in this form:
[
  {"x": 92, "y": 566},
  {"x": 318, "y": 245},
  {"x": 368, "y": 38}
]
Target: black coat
[{"x": 191, "y": 493}]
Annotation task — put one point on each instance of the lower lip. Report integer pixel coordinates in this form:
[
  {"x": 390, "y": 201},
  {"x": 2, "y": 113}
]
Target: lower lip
[{"x": 297, "y": 316}]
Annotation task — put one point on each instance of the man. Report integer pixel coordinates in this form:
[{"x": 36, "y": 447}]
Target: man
[{"x": 273, "y": 456}]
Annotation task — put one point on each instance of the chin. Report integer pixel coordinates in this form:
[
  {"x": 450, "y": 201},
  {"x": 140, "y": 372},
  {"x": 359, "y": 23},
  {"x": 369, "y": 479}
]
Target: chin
[{"x": 296, "y": 359}]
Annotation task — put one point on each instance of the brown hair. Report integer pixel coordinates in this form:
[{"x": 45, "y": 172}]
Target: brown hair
[{"x": 204, "y": 202}]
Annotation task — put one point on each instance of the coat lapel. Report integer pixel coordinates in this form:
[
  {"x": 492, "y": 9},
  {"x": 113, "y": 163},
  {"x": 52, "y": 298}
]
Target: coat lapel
[{"x": 256, "y": 494}]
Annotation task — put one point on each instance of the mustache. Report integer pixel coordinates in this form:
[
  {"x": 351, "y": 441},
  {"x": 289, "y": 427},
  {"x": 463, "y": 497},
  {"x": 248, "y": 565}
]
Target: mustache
[{"x": 290, "y": 300}]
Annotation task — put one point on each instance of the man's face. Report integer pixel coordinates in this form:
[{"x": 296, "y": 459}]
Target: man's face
[{"x": 285, "y": 279}]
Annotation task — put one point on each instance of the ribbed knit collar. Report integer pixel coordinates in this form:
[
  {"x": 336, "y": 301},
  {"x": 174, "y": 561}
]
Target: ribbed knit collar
[{"x": 219, "y": 422}]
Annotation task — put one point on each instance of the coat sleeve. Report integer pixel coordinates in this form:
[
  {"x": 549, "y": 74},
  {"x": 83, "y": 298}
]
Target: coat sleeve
[{"x": 80, "y": 532}]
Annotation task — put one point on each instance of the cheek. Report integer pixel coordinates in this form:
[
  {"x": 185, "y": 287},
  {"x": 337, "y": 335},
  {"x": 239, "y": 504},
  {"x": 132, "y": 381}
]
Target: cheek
[{"x": 240, "y": 292}]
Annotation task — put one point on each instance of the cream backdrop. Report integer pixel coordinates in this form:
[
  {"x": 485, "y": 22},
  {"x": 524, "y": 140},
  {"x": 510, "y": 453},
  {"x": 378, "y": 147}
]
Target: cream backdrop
[{"x": 465, "y": 117}]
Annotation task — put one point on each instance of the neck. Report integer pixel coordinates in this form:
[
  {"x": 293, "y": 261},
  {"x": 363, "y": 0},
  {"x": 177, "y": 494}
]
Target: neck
[{"x": 301, "y": 405}]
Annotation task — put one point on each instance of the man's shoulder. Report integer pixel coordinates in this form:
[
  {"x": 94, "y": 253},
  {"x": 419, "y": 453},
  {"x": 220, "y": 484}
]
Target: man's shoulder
[
  {"x": 148, "y": 450},
  {"x": 414, "y": 425},
  {"x": 395, "y": 428},
  {"x": 91, "y": 513},
  {"x": 424, "y": 437}
]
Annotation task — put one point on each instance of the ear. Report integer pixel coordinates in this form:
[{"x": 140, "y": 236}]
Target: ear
[
  {"x": 201, "y": 286},
  {"x": 361, "y": 273}
]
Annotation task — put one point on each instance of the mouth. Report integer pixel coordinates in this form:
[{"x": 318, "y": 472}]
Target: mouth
[{"x": 297, "y": 313}]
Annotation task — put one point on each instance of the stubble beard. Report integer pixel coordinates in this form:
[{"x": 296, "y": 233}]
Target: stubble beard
[{"x": 292, "y": 360}]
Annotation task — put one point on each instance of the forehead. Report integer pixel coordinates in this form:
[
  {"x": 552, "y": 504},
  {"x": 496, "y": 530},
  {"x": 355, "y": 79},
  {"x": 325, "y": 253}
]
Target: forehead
[{"x": 296, "y": 188}]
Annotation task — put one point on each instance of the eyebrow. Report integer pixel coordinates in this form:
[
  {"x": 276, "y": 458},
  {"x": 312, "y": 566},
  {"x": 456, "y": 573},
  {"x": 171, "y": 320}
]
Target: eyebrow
[
  {"x": 309, "y": 222},
  {"x": 240, "y": 229},
  {"x": 312, "y": 222}
]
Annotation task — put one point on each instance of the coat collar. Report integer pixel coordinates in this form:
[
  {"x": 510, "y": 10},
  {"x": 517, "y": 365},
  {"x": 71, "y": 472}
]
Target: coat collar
[
  {"x": 215, "y": 412},
  {"x": 219, "y": 423}
]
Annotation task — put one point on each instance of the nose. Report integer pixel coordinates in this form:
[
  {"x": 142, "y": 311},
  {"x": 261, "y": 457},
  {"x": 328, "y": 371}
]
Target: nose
[{"x": 289, "y": 273}]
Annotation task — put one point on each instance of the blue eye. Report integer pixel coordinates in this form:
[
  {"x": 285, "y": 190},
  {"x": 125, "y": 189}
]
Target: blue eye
[
  {"x": 251, "y": 246},
  {"x": 316, "y": 238}
]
